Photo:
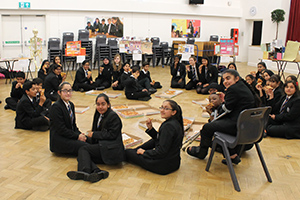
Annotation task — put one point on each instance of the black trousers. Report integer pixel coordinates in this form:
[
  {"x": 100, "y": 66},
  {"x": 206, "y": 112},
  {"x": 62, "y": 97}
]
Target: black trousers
[
  {"x": 100, "y": 83},
  {"x": 39, "y": 123},
  {"x": 145, "y": 83},
  {"x": 158, "y": 166},
  {"x": 224, "y": 125},
  {"x": 12, "y": 103},
  {"x": 88, "y": 157},
  {"x": 137, "y": 95},
  {"x": 86, "y": 86},
  {"x": 119, "y": 87},
  {"x": 276, "y": 129},
  {"x": 52, "y": 96},
  {"x": 202, "y": 90},
  {"x": 175, "y": 84},
  {"x": 191, "y": 85}
]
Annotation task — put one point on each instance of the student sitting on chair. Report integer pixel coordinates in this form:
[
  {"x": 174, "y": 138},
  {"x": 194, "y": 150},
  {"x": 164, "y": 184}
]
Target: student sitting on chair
[
  {"x": 208, "y": 74},
  {"x": 104, "y": 77},
  {"x": 52, "y": 82},
  {"x": 117, "y": 72},
  {"x": 83, "y": 78},
  {"x": 161, "y": 154},
  {"x": 178, "y": 73},
  {"x": 145, "y": 78},
  {"x": 29, "y": 114},
  {"x": 17, "y": 92},
  {"x": 107, "y": 147},
  {"x": 285, "y": 120},
  {"x": 133, "y": 90},
  {"x": 65, "y": 137}
]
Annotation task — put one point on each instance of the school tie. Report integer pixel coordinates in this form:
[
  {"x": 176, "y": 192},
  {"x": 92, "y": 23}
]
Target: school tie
[
  {"x": 86, "y": 73},
  {"x": 194, "y": 78},
  {"x": 71, "y": 113},
  {"x": 284, "y": 105},
  {"x": 99, "y": 120}
]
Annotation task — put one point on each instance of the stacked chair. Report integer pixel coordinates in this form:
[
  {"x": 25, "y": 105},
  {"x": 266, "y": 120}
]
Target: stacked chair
[
  {"x": 54, "y": 48},
  {"x": 83, "y": 36},
  {"x": 101, "y": 49}
]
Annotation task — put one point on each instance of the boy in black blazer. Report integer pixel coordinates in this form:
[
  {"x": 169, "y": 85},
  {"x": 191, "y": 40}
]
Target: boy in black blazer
[
  {"x": 83, "y": 78},
  {"x": 145, "y": 78},
  {"x": 193, "y": 74},
  {"x": 29, "y": 114},
  {"x": 16, "y": 93}
]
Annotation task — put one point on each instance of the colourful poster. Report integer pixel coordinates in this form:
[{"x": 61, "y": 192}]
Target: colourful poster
[
  {"x": 185, "y": 28},
  {"x": 226, "y": 46},
  {"x": 73, "y": 48}
]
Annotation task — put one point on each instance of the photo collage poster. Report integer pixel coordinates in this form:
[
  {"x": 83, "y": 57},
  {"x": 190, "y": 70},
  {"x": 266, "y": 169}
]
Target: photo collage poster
[{"x": 183, "y": 28}]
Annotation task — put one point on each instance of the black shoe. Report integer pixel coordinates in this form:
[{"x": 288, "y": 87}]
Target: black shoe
[
  {"x": 235, "y": 160},
  {"x": 198, "y": 152},
  {"x": 6, "y": 107},
  {"x": 144, "y": 98},
  {"x": 100, "y": 88},
  {"x": 78, "y": 175},
  {"x": 95, "y": 177},
  {"x": 152, "y": 90}
]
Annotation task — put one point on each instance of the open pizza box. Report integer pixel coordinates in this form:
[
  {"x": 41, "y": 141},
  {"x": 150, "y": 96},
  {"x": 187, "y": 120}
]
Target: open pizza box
[
  {"x": 170, "y": 93},
  {"x": 155, "y": 123},
  {"x": 194, "y": 129},
  {"x": 130, "y": 140}
]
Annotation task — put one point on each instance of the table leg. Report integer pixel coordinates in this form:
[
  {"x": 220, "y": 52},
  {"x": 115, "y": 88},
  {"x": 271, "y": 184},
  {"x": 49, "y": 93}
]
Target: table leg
[{"x": 29, "y": 71}]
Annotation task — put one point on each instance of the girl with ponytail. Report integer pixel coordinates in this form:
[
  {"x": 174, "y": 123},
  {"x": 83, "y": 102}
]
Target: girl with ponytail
[{"x": 161, "y": 154}]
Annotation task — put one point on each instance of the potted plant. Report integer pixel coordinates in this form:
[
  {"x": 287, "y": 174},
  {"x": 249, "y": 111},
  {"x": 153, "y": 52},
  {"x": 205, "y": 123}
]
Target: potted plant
[{"x": 277, "y": 16}]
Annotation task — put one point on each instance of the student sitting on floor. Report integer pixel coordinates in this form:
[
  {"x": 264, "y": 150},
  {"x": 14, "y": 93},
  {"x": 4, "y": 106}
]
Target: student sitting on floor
[
  {"x": 107, "y": 147},
  {"x": 292, "y": 78},
  {"x": 125, "y": 75},
  {"x": 41, "y": 92},
  {"x": 117, "y": 72},
  {"x": 105, "y": 72},
  {"x": 133, "y": 90},
  {"x": 65, "y": 137},
  {"x": 146, "y": 78},
  {"x": 44, "y": 70},
  {"x": 193, "y": 74},
  {"x": 274, "y": 86},
  {"x": 213, "y": 88},
  {"x": 178, "y": 73},
  {"x": 16, "y": 93},
  {"x": 161, "y": 154},
  {"x": 208, "y": 74},
  {"x": 52, "y": 82},
  {"x": 83, "y": 78},
  {"x": 261, "y": 66},
  {"x": 285, "y": 122},
  {"x": 29, "y": 114}
]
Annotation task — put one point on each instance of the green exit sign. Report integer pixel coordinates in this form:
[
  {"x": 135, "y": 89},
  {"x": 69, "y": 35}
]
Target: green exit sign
[{"x": 24, "y": 5}]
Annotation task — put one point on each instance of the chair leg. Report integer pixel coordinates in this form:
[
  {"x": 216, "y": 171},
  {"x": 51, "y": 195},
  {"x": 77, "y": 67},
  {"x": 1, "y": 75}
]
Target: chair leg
[
  {"x": 263, "y": 163},
  {"x": 241, "y": 150},
  {"x": 230, "y": 167},
  {"x": 211, "y": 156}
]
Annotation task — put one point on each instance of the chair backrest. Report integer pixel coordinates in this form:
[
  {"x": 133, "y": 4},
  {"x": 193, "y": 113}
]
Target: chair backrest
[
  {"x": 214, "y": 38},
  {"x": 100, "y": 40},
  {"x": 155, "y": 41},
  {"x": 54, "y": 43},
  {"x": 67, "y": 37},
  {"x": 164, "y": 45},
  {"x": 83, "y": 35},
  {"x": 112, "y": 42},
  {"x": 190, "y": 41},
  {"x": 251, "y": 125}
]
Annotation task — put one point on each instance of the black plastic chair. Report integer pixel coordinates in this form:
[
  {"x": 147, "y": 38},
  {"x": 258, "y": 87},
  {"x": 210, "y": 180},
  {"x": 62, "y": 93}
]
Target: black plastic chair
[
  {"x": 214, "y": 38},
  {"x": 101, "y": 49},
  {"x": 250, "y": 128},
  {"x": 167, "y": 53},
  {"x": 83, "y": 35},
  {"x": 113, "y": 47},
  {"x": 190, "y": 41}
]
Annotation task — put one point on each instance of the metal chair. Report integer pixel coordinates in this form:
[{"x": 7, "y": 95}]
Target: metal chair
[{"x": 250, "y": 128}]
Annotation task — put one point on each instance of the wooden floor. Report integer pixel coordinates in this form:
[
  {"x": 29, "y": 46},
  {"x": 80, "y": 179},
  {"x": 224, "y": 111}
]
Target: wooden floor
[{"x": 28, "y": 170}]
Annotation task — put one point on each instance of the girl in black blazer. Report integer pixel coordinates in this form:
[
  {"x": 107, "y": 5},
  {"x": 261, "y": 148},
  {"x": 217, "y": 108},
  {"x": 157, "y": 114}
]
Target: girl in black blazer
[
  {"x": 43, "y": 72},
  {"x": 52, "y": 82},
  {"x": 107, "y": 147},
  {"x": 105, "y": 73},
  {"x": 125, "y": 75},
  {"x": 207, "y": 74},
  {"x": 238, "y": 97},
  {"x": 65, "y": 137},
  {"x": 116, "y": 73},
  {"x": 274, "y": 86},
  {"x": 178, "y": 73},
  {"x": 193, "y": 74},
  {"x": 161, "y": 154},
  {"x": 285, "y": 122},
  {"x": 83, "y": 78}
]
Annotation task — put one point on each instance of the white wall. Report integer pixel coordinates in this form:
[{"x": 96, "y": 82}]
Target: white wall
[{"x": 147, "y": 18}]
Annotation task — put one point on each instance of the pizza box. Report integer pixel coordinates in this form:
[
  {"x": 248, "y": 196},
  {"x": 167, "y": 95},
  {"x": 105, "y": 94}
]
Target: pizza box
[
  {"x": 170, "y": 93},
  {"x": 138, "y": 105},
  {"x": 148, "y": 110},
  {"x": 155, "y": 123},
  {"x": 112, "y": 95},
  {"x": 120, "y": 107},
  {"x": 187, "y": 122},
  {"x": 194, "y": 129},
  {"x": 94, "y": 92},
  {"x": 81, "y": 109},
  {"x": 135, "y": 140},
  {"x": 109, "y": 94},
  {"x": 201, "y": 102},
  {"x": 123, "y": 113}
]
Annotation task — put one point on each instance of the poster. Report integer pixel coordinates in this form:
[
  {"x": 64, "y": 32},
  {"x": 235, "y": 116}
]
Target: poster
[
  {"x": 226, "y": 46},
  {"x": 110, "y": 26},
  {"x": 291, "y": 51},
  {"x": 126, "y": 46},
  {"x": 185, "y": 28},
  {"x": 186, "y": 48},
  {"x": 73, "y": 48}
]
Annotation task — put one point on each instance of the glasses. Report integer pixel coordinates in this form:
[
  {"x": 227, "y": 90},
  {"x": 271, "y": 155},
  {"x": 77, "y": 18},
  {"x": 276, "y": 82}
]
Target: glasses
[
  {"x": 165, "y": 108},
  {"x": 67, "y": 91}
]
